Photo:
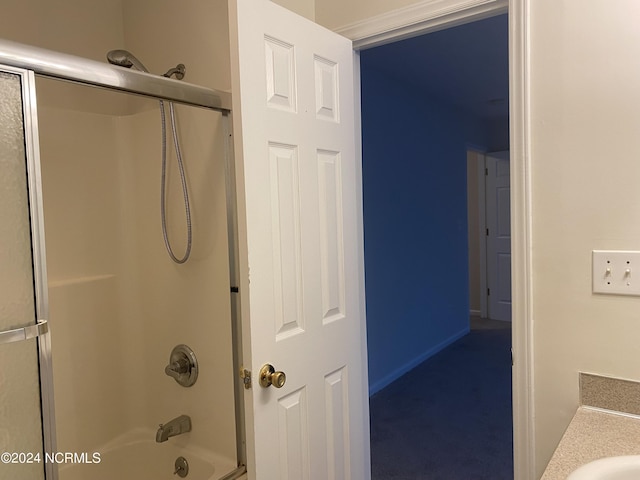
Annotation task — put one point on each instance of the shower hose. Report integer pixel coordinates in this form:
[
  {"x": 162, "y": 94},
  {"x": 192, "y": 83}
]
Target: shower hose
[{"x": 163, "y": 188}]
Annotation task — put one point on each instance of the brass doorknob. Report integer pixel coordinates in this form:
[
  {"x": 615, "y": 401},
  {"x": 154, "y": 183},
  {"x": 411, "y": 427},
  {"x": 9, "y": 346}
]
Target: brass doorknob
[{"x": 269, "y": 376}]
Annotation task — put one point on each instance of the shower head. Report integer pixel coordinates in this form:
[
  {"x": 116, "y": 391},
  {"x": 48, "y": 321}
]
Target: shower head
[
  {"x": 178, "y": 71},
  {"x": 122, "y": 58}
]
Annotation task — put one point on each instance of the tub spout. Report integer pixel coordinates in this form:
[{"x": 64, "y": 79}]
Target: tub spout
[{"x": 177, "y": 426}]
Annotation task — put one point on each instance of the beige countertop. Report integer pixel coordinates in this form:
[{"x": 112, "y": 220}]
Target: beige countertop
[{"x": 593, "y": 434}]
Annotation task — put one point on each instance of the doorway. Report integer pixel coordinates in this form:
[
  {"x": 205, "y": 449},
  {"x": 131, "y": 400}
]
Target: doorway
[
  {"x": 489, "y": 233},
  {"x": 424, "y": 101}
]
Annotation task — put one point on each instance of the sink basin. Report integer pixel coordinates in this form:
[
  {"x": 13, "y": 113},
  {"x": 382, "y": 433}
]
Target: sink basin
[{"x": 610, "y": 468}]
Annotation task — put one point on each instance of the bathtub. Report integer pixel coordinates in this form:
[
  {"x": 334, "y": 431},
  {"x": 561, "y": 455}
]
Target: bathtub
[{"x": 136, "y": 456}]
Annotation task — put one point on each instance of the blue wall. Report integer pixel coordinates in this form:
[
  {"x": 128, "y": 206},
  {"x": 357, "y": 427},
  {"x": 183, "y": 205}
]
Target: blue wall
[{"x": 415, "y": 223}]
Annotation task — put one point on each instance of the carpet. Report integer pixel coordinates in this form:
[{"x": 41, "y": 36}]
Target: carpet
[{"x": 450, "y": 417}]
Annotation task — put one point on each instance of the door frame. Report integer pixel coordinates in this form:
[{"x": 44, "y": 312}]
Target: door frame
[
  {"x": 481, "y": 211},
  {"x": 432, "y": 15},
  {"x": 36, "y": 211}
]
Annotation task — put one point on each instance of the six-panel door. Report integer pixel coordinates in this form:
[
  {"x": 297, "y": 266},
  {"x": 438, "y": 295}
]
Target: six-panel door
[{"x": 295, "y": 132}]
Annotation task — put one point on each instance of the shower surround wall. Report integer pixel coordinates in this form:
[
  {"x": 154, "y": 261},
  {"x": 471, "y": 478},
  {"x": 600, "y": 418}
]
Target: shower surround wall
[
  {"x": 118, "y": 303},
  {"x": 83, "y": 242}
]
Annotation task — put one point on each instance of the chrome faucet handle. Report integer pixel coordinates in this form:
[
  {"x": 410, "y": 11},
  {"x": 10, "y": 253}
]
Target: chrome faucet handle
[
  {"x": 177, "y": 368},
  {"x": 183, "y": 366}
]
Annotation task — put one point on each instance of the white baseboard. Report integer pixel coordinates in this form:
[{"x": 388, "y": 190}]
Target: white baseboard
[
  {"x": 474, "y": 313},
  {"x": 383, "y": 382}
]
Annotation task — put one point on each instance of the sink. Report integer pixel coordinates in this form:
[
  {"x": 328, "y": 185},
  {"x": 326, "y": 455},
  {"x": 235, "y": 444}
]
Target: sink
[{"x": 610, "y": 468}]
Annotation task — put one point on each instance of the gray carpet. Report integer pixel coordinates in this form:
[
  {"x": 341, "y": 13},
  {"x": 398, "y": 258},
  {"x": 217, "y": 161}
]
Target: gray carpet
[{"x": 450, "y": 417}]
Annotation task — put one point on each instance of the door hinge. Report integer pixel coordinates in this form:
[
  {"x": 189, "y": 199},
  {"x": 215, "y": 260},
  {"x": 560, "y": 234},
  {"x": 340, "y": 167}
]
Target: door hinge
[
  {"x": 487, "y": 232},
  {"x": 486, "y": 171},
  {"x": 512, "y": 357},
  {"x": 245, "y": 375},
  {"x": 488, "y": 292}
]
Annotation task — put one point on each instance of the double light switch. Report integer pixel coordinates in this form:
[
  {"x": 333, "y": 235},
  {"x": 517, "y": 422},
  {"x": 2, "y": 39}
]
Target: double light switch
[{"x": 616, "y": 272}]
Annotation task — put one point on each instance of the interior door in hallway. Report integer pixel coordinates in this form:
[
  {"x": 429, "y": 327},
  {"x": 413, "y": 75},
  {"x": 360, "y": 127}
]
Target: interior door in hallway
[
  {"x": 498, "y": 222},
  {"x": 300, "y": 248}
]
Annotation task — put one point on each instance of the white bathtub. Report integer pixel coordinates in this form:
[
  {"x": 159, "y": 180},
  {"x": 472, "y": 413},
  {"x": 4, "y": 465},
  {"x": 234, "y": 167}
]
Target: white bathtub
[{"x": 136, "y": 456}]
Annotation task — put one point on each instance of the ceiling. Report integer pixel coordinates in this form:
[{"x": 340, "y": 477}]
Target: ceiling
[{"x": 466, "y": 66}]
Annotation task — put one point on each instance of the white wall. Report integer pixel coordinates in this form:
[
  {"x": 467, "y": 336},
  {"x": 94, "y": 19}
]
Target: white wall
[
  {"x": 163, "y": 33},
  {"x": 586, "y": 164},
  {"x": 77, "y": 27},
  {"x": 306, "y": 8}
]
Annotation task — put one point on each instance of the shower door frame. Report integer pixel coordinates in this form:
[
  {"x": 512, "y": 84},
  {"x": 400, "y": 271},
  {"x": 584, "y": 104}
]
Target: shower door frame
[{"x": 38, "y": 254}]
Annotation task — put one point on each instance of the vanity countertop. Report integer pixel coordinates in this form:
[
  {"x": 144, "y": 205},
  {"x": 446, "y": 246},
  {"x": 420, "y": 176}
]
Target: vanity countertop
[{"x": 593, "y": 434}]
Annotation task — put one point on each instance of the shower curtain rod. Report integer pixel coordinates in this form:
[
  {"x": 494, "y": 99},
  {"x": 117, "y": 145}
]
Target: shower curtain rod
[{"x": 90, "y": 72}]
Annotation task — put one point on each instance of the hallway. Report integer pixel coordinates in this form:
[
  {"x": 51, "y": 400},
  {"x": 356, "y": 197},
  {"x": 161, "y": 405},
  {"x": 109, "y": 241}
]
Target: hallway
[{"x": 450, "y": 417}]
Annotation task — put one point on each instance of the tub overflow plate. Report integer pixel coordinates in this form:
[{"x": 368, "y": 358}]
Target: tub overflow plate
[{"x": 182, "y": 467}]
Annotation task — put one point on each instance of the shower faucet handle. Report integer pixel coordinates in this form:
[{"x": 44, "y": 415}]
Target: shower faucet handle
[
  {"x": 177, "y": 368},
  {"x": 183, "y": 366}
]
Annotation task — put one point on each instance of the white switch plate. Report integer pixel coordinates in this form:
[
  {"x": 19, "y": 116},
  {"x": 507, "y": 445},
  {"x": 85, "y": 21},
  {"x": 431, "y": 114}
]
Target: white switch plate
[{"x": 616, "y": 272}]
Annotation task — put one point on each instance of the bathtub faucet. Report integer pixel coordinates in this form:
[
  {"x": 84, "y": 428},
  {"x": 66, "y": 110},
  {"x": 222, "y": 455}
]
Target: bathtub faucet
[{"x": 177, "y": 426}]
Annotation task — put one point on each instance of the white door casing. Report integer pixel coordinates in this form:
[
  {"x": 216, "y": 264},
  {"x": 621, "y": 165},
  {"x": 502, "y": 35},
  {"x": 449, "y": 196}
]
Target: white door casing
[
  {"x": 299, "y": 215},
  {"x": 498, "y": 218},
  {"x": 481, "y": 208},
  {"x": 427, "y": 16}
]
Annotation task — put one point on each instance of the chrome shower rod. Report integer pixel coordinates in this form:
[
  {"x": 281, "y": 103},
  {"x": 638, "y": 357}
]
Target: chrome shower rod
[{"x": 90, "y": 72}]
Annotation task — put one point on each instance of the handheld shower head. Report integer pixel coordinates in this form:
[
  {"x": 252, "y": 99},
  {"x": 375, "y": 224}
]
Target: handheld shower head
[
  {"x": 122, "y": 58},
  {"x": 178, "y": 71}
]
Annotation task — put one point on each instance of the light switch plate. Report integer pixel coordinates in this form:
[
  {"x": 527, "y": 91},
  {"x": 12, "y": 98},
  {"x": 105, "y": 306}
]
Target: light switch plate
[{"x": 616, "y": 272}]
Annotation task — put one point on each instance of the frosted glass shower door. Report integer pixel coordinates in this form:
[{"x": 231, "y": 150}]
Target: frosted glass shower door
[{"x": 22, "y": 338}]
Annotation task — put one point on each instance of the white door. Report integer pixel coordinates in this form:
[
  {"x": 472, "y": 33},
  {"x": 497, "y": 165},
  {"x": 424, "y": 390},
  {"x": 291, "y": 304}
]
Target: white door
[
  {"x": 498, "y": 235},
  {"x": 300, "y": 255}
]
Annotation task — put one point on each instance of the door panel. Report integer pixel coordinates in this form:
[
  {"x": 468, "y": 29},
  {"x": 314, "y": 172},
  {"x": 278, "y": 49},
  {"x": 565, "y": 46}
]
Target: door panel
[
  {"x": 301, "y": 282},
  {"x": 336, "y": 390},
  {"x": 294, "y": 436},
  {"x": 20, "y": 413}
]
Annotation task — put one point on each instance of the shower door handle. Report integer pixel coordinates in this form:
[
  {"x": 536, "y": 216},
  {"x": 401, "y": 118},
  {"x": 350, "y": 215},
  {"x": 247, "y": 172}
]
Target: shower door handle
[{"x": 24, "y": 333}]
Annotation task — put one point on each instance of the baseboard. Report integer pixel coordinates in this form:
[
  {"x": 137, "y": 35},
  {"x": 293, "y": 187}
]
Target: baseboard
[
  {"x": 383, "y": 382},
  {"x": 474, "y": 313}
]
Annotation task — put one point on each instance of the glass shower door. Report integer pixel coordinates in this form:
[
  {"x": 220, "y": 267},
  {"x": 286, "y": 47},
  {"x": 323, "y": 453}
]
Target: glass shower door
[{"x": 24, "y": 347}]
